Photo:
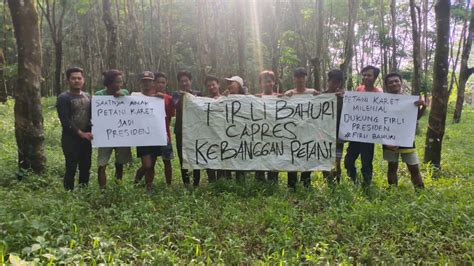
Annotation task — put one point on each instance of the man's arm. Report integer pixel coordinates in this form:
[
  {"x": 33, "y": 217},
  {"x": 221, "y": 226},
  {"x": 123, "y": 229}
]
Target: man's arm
[
  {"x": 421, "y": 107},
  {"x": 63, "y": 106}
]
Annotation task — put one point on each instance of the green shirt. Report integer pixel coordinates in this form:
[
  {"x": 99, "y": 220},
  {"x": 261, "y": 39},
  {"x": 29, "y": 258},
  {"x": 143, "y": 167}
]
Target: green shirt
[{"x": 103, "y": 92}]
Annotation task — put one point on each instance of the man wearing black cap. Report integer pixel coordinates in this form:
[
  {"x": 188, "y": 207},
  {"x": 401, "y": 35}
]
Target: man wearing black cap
[
  {"x": 299, "y": 79},
  {"x": 147, "y": 154}
]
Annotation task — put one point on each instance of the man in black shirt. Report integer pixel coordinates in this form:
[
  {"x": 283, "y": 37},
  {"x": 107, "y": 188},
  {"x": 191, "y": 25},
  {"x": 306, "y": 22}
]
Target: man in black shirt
[
  {"x": 334, "y": 83},
  {"x": 185, "y": 86},
  {"x": 74, "y": 111}
]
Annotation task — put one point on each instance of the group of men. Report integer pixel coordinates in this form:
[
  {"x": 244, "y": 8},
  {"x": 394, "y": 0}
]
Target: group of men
[{"x": 74, "y": 111}]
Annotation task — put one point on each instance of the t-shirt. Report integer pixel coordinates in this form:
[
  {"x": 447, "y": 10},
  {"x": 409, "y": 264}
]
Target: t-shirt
[
  {"x": 361, "y": 88},
  {"x": 178, "y": 125},
  {"x": 170, "y": 111},
  {"x": 74, "y": 112},
  {"x": 103, "y": 92}
]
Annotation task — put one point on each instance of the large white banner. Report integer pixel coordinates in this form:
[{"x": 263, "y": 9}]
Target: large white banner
[
  {"x": 128, "y": 121},
  {"x": 382, "y": 118},
  {"x": 244, "y": 132}
]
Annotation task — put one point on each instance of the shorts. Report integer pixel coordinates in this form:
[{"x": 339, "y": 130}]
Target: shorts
[
  {"x": 167, "y": 152},
  {"x": 123, "y": 155},
  {"x": 153, "y": 151},
  {"x": 392, "y": 156}
]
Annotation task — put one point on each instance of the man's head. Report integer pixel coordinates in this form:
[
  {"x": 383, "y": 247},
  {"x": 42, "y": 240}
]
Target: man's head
[
  {"x": 75, "y": 78},
  {"x": 235, "y": 85},
  {"x": 113, "y": 79},
  {"x": 146, "y": 82},
  {"x": 161, "y": 80},
  {"x": 300, "y": 77},
  {"x": 335, "y": 78},
  {"x": 212, "y": 85},
  {"x": 185, "y": 80},
  {"x": 266, "y": 79},
  {"x": 393, "y": 82},
  {"x": 369, "y": 75}
]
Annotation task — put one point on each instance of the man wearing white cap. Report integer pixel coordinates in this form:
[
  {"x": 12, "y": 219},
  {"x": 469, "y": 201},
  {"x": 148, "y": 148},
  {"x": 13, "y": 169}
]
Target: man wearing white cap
[{"x": 235, "y": 85}]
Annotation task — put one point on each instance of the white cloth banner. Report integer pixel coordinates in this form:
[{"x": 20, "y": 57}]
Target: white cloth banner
[
  {"x": 244, "y": 132},
  {"x": 128, "y": 121},
  {"x": 381, "y": 118}
]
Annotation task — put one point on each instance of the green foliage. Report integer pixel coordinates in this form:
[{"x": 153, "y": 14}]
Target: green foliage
[{"x": 226, "y": 222}]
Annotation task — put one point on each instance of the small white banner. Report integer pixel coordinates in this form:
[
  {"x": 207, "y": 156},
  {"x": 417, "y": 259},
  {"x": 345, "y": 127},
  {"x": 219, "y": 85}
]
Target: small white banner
[
  {"x": 128, "y": 121},
  {"x": 381, "y": 118}
]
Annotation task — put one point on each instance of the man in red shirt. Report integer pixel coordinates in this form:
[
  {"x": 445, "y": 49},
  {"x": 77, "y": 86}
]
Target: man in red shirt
[
  {"x": 161, "y": 81},
  {"x": 369, "y": 76},
  {"x": 365, "y": 150}
]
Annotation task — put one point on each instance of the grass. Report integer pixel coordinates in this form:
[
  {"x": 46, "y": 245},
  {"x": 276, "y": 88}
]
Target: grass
[{"x": 229, "y": 223}]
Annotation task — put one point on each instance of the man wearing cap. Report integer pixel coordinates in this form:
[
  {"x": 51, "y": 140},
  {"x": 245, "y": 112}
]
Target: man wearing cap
[
  {"x": 235, "y": 86},
  {"x": 185, "y": 85},
  {"x": 299, "y": 79},
  {"x": 147, "y": 154},
  {"x": 365, "y": 150}
]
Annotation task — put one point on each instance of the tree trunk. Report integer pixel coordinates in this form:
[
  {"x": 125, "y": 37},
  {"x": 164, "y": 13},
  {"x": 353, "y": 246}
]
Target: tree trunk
[
  {"x": 240, "y": 21},
  {"x": 393, "y": 13},
  {"x": 111, "y": 33},
  {"x": 439, "y": 106},
  {"x": 346, "y": 66},
  {"x": 28, "y": 114},
  {"x": 137, "y": 58},
  {"x": 86, "y": 46},
  {"x": 3, "y": 88},
  {"x": 170, "y": 62},
  {"x": 275, "y": 51},
  {"x": 58, "y": 65},
  {"x": 56, "y": 29},
  {"x": 319, "y": 6},
  {"x": 455, "y": 59},
  {"x": 465, "y": 71},
  {"x": 383, "y": 41},
  {"x": 202, "y": 38},
  {"x": 416, "y": 80},
  {"x": 424, "y": 39}
]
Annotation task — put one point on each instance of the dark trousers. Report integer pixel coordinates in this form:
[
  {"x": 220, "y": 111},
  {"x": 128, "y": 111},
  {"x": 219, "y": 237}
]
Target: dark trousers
[
  {"x": 77, "y": 154},
  {"x": 366, "y": 152},
  {"x": 213, "y": 175},
  {"x": 271, "y": 176},
  {"x": 184, "y": 172},
  {"x": 293, "y": 178}
]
